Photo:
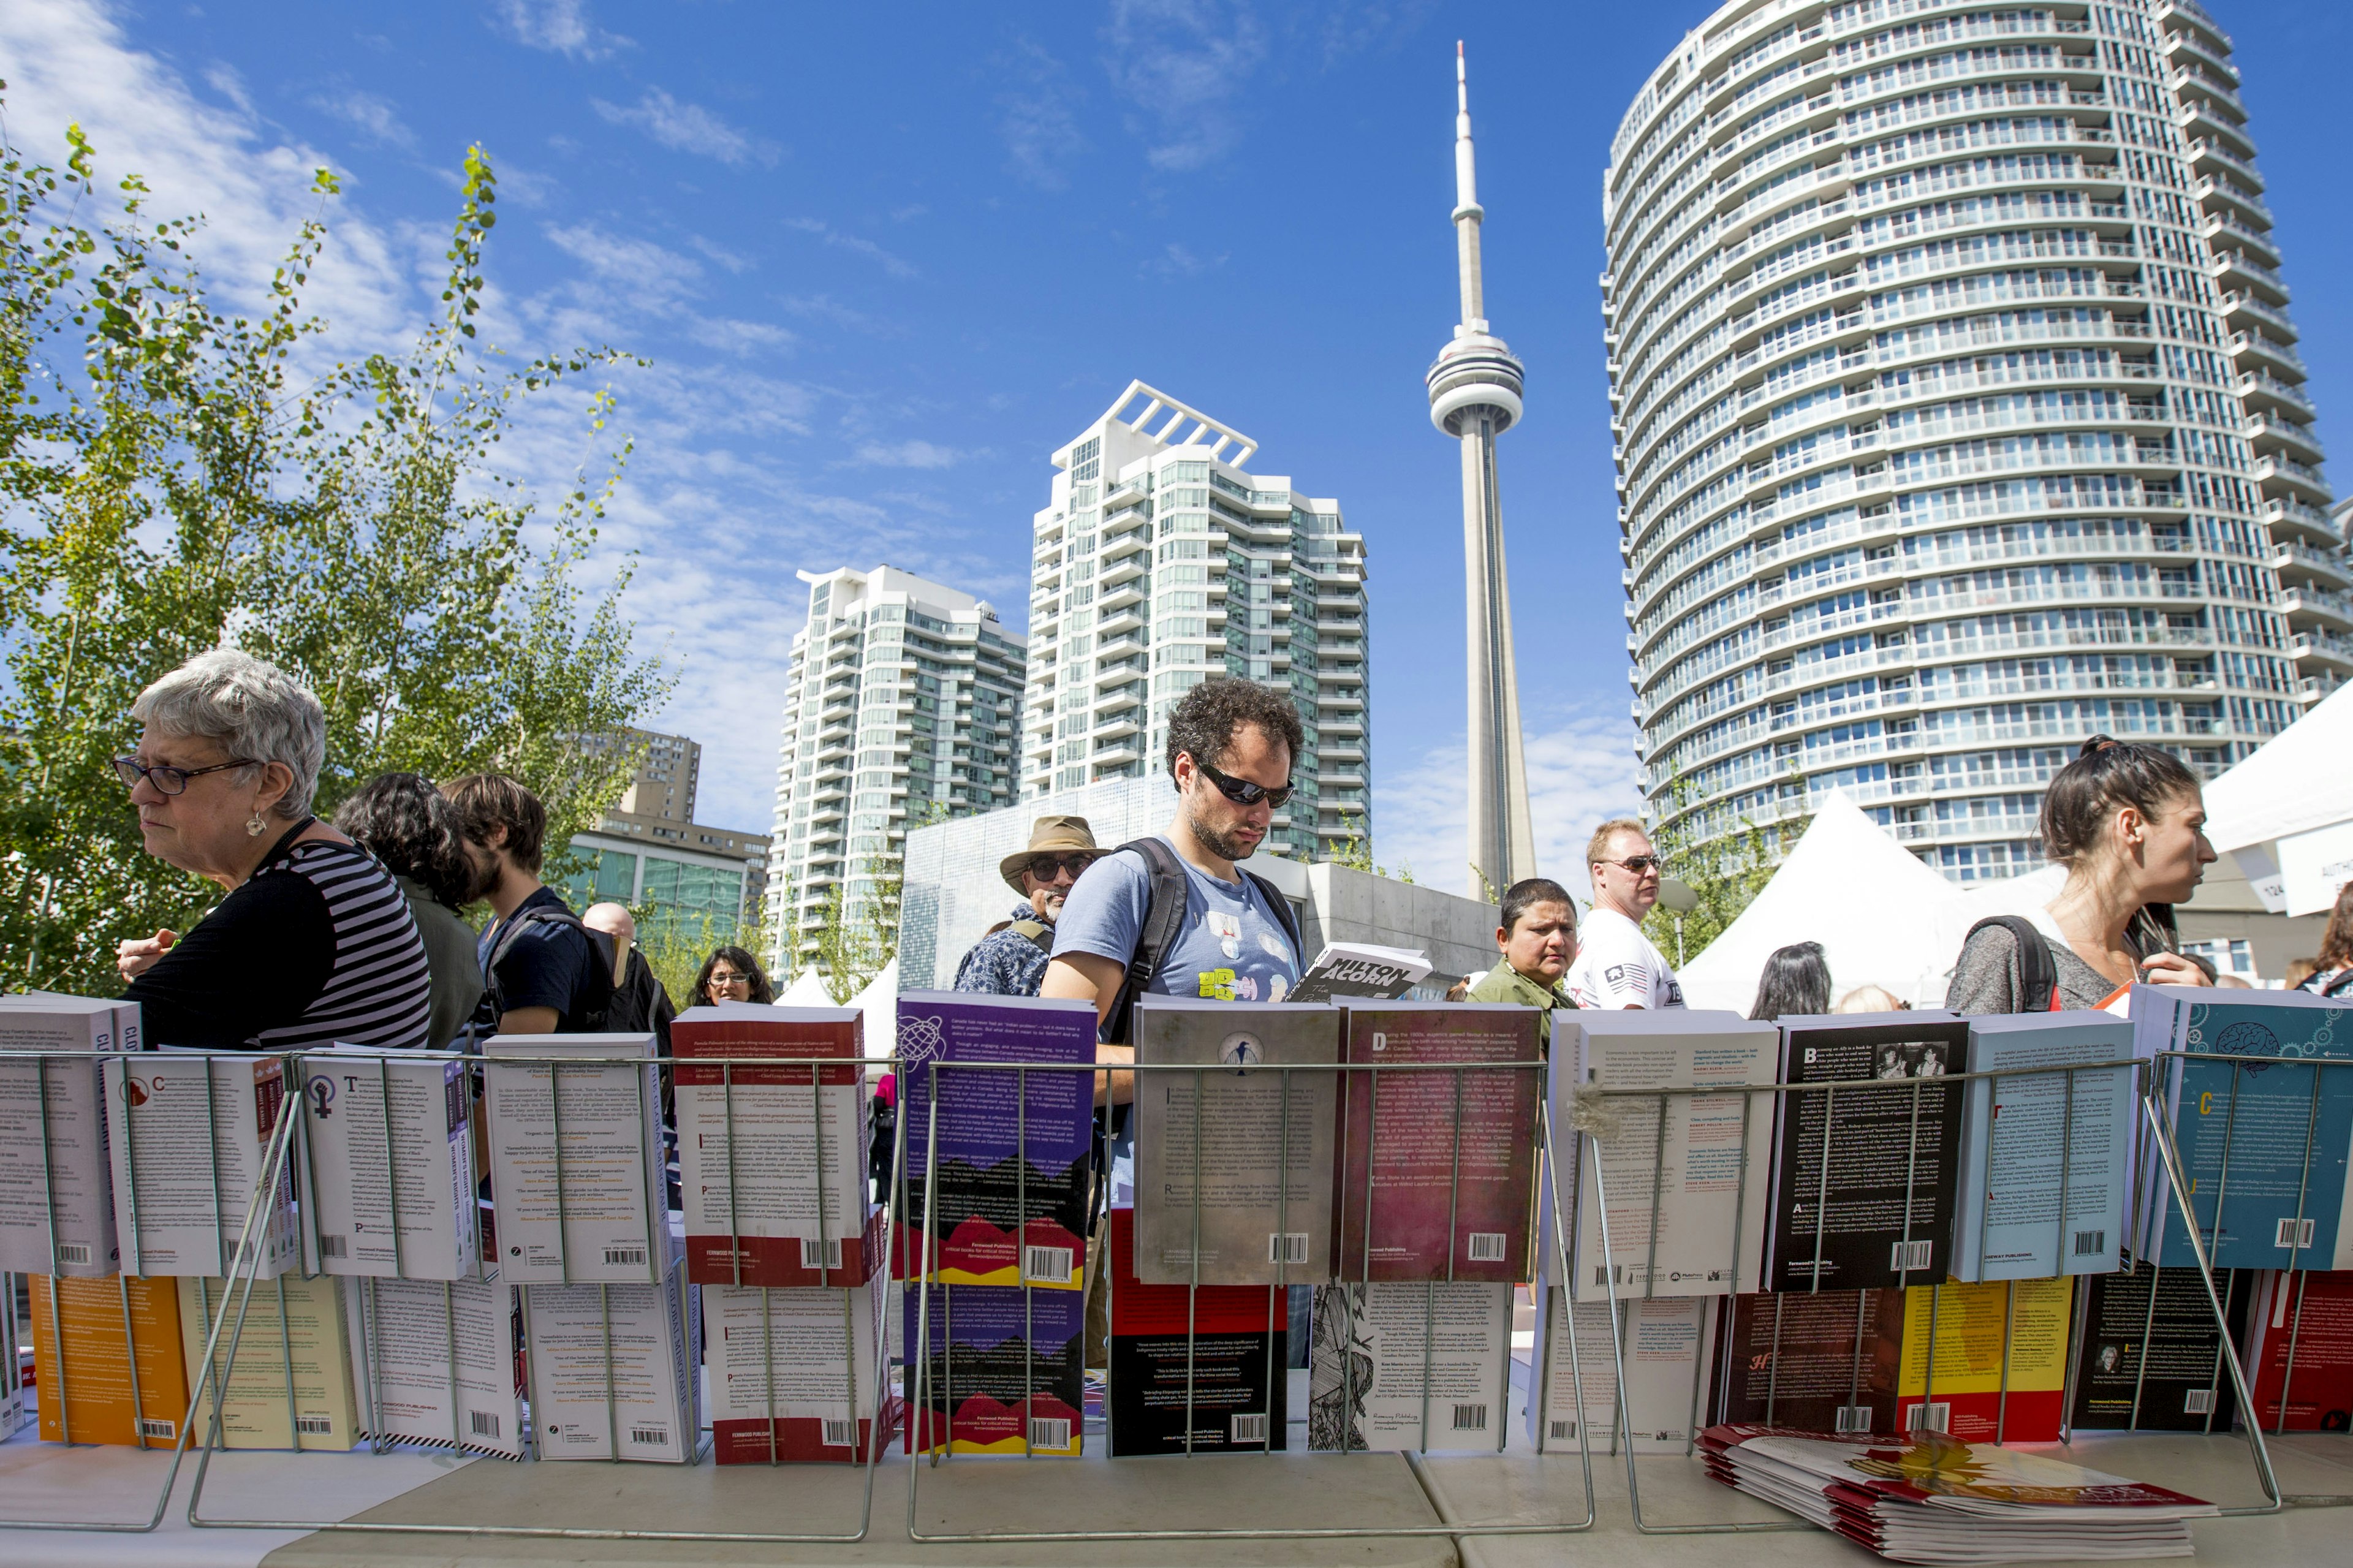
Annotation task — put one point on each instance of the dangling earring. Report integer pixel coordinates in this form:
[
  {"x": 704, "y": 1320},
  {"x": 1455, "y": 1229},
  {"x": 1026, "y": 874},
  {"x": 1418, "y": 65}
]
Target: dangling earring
[{"x": 254, "y": 824}]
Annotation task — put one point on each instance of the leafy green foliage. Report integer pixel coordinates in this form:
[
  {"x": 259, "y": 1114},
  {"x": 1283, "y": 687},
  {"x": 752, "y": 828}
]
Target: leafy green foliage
[
  {"x": 169, "y": 483},
  {"x": 1357, "y": 854}
]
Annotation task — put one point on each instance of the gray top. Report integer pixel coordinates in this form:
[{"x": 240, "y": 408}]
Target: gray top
[
  {"x": 1989, "y": 977},
  {"x": 455, "y": 972}
]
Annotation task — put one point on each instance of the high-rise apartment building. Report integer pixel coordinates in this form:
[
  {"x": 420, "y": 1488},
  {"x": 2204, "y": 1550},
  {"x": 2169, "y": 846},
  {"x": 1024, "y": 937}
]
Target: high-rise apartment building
[
  {"x": 666, "y": 778},
  {"x": 1159, "y": 561},
  {"x": 1956, "y": 414},
  {"x": 904, "y": 706}
]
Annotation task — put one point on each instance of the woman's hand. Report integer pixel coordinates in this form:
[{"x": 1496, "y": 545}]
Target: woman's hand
[
  {"x": 137, "y": 956},
  {"x": 2172, "y": 969}
]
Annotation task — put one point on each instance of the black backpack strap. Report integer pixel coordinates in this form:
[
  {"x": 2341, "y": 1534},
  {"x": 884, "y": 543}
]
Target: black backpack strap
[
  {"x": 1162, "y": 920},
  {"x": 1284, "y": 916},
  {"x": 2038, "y": 972},
  {"x": 1040, "y": 934},
  {"x": 595, "y": 1005}
]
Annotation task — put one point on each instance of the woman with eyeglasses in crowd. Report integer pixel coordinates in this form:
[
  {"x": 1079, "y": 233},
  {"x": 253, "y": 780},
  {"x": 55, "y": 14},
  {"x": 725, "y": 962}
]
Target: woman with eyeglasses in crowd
[
  {"x": 732, "y": 974},
  {"x": 1617, "y": 967}
]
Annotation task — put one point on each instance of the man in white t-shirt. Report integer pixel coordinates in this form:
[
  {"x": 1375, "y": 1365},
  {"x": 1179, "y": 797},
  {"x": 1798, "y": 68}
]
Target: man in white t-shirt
[{"x": 1616, "y": 965}]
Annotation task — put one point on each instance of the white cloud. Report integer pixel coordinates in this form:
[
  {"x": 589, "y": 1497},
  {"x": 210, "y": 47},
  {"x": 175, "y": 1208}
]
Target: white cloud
[
  {"x": 1581, "y": 772},
  {"x": 721, "y": 254},
  {"x": 1177, "y": 261},
  {"x": 560, "y": 26},
  {"x": 690, "y": 128},
  {"x": 895, "y": 266},
  {"x": 372, "y": 116},
  {"x": 909, "y": 455},
  {"x": 1183, "y": 64},
  {"x": 1038, "y": 117},
  {"x": 654, "y": 276}
]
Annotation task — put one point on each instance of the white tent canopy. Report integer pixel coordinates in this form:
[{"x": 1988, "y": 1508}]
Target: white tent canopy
[
  {"x": 2286, "y": 813},
  {"x": 807, "y": 990},
  {"x": 1882, "y": 918}
]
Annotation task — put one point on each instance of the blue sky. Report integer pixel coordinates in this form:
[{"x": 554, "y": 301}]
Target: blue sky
[{"x": 885, "y": 260}]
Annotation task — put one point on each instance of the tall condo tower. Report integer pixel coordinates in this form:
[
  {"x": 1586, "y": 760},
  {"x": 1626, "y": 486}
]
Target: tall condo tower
[
  {"x": 1474, "y": 396},
  {"x": 1957, "y": 414}
]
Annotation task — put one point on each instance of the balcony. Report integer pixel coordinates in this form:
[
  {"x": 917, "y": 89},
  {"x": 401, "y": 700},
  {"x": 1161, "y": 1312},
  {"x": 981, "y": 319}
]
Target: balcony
[
  {"x": 2219, "y": 196},
  {"x": 2257, "y": 389},
  {"x": 2316, "y": 609},
  {"x": 2322, "y": 651},
  {"x": 2325, "y": 569},
  {"x": 2243, "y": 310},
  {"x": 2300, "y": 481},
  {"x": 2292, "y": 435},
  {"x": 2255, "y": 352},
  {"x": 2200, "y": 120},
  {"x": 2225, "y": 232}
]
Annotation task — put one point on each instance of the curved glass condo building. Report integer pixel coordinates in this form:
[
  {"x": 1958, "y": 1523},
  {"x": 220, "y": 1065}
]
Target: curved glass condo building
[{"x": 1957, "y": 414}]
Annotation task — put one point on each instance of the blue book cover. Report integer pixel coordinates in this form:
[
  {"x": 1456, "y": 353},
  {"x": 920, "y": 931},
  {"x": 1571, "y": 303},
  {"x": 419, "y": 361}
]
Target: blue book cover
[
  {"x": 2044, "y": 1156},
  {"x": 2263, "y": 1145},
  {"x": 1011, "y": 1183}
]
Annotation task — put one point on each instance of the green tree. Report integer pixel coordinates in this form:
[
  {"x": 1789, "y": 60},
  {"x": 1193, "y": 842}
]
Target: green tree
[
  {"x": 1356, "y": 852},
  {"x": 170, "y": 482}
]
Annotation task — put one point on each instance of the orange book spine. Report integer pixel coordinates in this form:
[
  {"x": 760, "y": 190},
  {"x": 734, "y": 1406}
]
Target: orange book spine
[{"x": 99, "y": 1332}]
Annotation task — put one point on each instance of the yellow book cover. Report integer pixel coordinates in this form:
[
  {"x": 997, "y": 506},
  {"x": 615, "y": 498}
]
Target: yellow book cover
[
  {"x": 2000, "y": 1359},
  {"x": 292, "y": 1317},
  {"x": 86, "y": 1331}
]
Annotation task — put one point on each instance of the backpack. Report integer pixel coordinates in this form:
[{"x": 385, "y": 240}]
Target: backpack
[
  {"x": 1040, "y": 934},
  {"x": 1162, "y": 920},
  {"x": 2038, "y": 972},
  {"x": 592, "y": 1007}
]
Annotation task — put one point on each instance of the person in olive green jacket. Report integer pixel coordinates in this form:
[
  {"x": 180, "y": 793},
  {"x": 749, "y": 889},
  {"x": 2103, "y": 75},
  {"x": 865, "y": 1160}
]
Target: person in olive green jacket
[{"x": 1537, "y": 940}]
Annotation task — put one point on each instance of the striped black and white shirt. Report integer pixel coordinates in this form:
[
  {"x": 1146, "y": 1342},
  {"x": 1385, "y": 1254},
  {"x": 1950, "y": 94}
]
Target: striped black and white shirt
[{"x": 316, "y": 947}]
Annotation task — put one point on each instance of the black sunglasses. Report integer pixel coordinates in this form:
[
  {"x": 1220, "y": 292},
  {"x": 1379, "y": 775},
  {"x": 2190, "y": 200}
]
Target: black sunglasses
[
  {"x": 1242, "y": 792},
  {"x": 169, "y": 780},
  {"x": 1043, "y": 867}
]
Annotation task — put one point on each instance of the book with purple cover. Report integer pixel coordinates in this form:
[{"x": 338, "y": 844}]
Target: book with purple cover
[
  {"x": 994, "y": 1368},
  {"x": 1437, "y": 1168},
  {"x": 1011, "y": 1182}
]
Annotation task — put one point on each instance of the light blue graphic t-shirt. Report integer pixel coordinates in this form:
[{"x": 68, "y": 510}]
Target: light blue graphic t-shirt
[{"x": 1230, "y": 946}]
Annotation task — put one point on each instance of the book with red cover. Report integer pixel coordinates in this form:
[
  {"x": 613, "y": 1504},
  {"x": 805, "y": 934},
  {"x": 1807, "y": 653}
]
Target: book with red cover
[
  {"x": 1011, "y": 1182},
  {"x": 1437, "y": 1169},
  {"x": 2309, "y": 1316},
  {"x": 1003, "y": 1369},
  {"x": 751, "y": 1200},
  {"x": 1826, "y": 1361},
  {"x": 1225, "y": 1344}
]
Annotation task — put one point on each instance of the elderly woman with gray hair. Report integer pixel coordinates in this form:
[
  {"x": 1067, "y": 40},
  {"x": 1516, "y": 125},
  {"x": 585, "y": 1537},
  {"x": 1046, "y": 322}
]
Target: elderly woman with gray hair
[{"x": 313, "y": 942}]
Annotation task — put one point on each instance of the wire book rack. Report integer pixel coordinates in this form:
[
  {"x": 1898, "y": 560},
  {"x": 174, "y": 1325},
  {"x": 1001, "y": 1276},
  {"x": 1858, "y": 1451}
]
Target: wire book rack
[{"x": 287, "y": 1148}]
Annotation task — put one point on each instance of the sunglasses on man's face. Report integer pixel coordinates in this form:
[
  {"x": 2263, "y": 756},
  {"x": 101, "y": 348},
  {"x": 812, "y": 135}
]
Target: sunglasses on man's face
[
  {"x": 1043, "y": 867},
  {"x": 1640, "y": 864},
  {"x": 1243, "y": 792}
]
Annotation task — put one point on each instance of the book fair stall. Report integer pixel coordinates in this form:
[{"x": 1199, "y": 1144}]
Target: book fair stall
[{"x": 1381, "y": 1279}]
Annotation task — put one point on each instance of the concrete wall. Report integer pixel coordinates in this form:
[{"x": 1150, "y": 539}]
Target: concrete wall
[{"x": 1342, "y": 905}]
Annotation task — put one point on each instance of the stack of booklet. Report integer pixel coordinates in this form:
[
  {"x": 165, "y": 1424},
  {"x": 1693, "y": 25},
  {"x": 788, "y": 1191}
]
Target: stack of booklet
[{"x": 1941, "y": 1500}]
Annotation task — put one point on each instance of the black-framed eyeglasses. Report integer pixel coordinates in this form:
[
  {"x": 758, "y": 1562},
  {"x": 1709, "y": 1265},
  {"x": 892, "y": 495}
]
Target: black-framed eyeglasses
[
  {"x": 1043, "y": 867},
  {"x": 169, "y": 780},
  {"x": 1243, "y": 792},
  {"x": 1639, "y": 864}
]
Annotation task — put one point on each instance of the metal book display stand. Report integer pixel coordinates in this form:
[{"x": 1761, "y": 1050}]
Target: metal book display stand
[{"x": 2153, "y": 1136}]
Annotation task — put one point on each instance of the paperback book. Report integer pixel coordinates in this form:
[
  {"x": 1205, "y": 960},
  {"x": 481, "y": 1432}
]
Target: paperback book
[
  {"x": 187, "y": 1138},
  {"x": 56, "y": 1211},
  {"x": 1259, "y": 1140},
  {"x": 1986, "y": 1363},
  {"x": 289, "y": 1384},
  {"x": 613, "y": 1369},
  {"x": 1437, "y": 1167},
  {"x": 773, "y": 1160},
  {"x": 1878, "y": 1211},
  {"x": 1198, "y": 1370},
  {"x": 389, "y": 1153},
  {"x": 2280, "y": 1207},
  {"x": 994, "y": 1368},
  {"x": 1010, "y": 1185},
  {"x": 577, "y": 1159},
  {"x": 1405, "y": 1365},
  {"x": 1686, "y": 1175},
  {"x": 15, "y": 1363},
  {"x": 103, "y": 1334},
  {"x": 1826, "y": 1360},
  {"x": 2299, "y": 1356},
  {"x": 2042, "y": 1180},
  {"x": 1346, "y": 970},
  {"x": 1667, "y": 1341},
  {"x": 793, "y": 1372},
  {"x": 439, "y": 1362},
  {"x": 2149, "y": 1358}
]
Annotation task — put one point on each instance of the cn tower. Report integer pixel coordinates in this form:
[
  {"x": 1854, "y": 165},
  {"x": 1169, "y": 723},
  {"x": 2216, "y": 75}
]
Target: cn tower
[{"x": 1474, "y": 396}]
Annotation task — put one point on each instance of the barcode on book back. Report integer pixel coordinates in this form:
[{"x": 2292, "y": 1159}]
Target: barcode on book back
[
  {"x": 1852, "y": 1418},
  {"x": 1049, "y": 1432},
  {"x": 148, "y": 1426},
  {"x": 620, "y": 1255},
  {"x": 816, "y": 1255},
  {"x": 73, "y": 1252},
  {"x": 1928, "y": 1419},
  {"x": 2198, "y": 1402},
  {"x": 334, "y": 1247},
  {"x": 484, "y": 1423},
  {"x": 1562, "y": 1431},
  {"x": 649, "y": 1436},
  {"x": 1286, "y": 1247},
  {"x": 1486, "y": 1246},
  {"x": 1046, "y": 1263},
  {"x": 1910, "y": 1257},
  {"x": 317, "y": 1426},
  {"x": 1247, "y": 1428},
  {"x": 2294, "y": 1233},
  {"x": 840, "y": 1434},
  {"x": 1470, "y": 1417},
  {"x": 2091, "y": 1243}
]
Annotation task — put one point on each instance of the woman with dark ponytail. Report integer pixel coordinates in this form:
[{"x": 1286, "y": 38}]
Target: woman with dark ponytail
[{"x": 2129, "y": 824}]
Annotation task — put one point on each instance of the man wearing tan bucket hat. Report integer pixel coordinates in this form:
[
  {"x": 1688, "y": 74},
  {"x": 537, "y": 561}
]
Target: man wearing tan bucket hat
[{"x": 1011, "y": 960}]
